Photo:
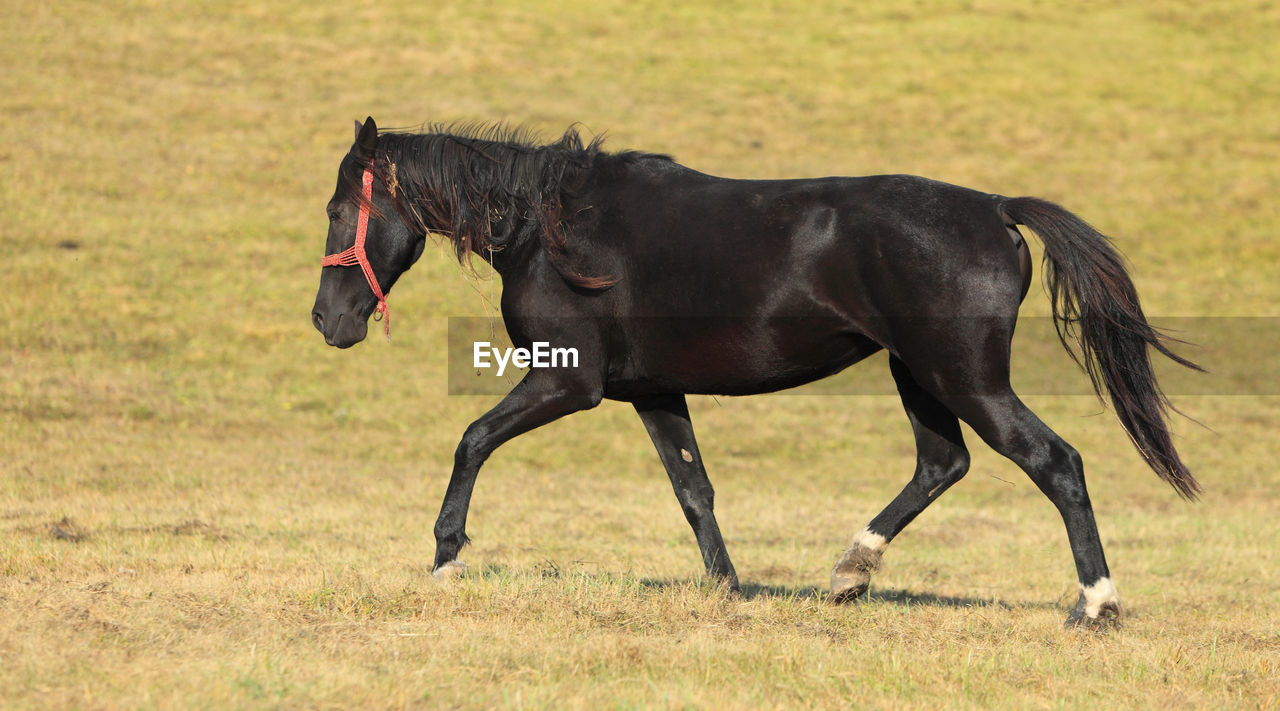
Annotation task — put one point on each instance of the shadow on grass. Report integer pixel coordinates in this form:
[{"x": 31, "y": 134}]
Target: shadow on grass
[
  {"x": 907, "y": 598},
  {"x": 763, "y": 591},
  {"x": 903, "y": 598}
]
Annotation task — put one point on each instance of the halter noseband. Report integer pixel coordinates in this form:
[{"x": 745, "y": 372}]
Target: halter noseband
[{"x": 356, "y": 255}]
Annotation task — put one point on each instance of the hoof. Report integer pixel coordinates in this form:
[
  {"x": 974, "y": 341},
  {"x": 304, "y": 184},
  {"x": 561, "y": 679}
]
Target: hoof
[
  {"x": 1098, "y": 608},
  {"x": 847, "y": 589},
  {"x": 729, "y": 584},
  {"x": 1108, "y": 618},
  {"x": 851, "y": 576},
  {"x": 449, "y": 571}
]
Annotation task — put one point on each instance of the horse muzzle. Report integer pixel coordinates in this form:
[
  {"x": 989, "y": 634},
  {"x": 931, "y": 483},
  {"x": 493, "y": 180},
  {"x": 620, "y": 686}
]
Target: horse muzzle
[{"x": 341, "y": 330}]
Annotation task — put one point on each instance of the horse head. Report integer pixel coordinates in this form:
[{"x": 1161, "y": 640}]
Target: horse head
[{"x": 368, "y": 246}]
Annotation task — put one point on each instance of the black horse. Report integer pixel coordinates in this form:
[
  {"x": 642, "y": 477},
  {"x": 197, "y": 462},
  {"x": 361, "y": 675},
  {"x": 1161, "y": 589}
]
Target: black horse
[{"x": 668, "y": 281}]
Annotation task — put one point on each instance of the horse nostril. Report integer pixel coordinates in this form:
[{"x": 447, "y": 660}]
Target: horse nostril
[{"x": 318, "y": 320}]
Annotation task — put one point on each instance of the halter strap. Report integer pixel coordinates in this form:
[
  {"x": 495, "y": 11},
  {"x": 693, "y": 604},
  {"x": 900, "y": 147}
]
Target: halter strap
[{"x": 356, "y": 255}]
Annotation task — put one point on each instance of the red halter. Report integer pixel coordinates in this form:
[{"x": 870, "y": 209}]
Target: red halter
[{"x": 356, "y": 255}]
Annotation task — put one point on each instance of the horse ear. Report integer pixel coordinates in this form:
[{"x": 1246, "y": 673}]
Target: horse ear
[{"x": 366, "y": 136}]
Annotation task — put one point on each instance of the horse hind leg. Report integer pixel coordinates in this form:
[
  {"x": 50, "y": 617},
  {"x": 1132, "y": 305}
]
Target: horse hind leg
[
  {"x": 976, "y": 388},
  {"x": 1058, "y": 471},
  {"x": 941, "y": 460}
]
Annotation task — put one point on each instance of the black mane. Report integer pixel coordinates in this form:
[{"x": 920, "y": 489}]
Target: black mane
[{"x": 487, "y": 187}]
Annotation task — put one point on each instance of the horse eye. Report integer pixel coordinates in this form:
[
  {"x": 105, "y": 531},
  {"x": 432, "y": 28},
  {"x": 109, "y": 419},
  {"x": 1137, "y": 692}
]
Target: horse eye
[{"x": 334, "y": 216}]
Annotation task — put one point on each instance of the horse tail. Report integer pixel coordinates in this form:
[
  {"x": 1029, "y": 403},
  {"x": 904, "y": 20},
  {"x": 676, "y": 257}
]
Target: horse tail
[{"x": 1096, "y": 304}]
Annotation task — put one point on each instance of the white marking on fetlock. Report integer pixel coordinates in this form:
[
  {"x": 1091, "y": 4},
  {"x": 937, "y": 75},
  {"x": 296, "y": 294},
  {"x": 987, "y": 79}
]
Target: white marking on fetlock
[
  {"x": 449, "y": 571},
  {"x": 851, "y": 575},
  {"x": 1098, "y": 595},
  {"x": 869, "y": 539}
]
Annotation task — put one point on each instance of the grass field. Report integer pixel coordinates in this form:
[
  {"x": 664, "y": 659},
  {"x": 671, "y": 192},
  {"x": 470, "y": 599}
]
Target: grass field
[{"x": 202, "y": 505}]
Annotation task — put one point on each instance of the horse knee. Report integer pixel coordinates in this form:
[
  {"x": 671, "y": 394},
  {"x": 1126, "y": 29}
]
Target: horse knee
[
  {"x": 943, "y": 471},
  {"x": 697, "y": 501},
  {"x": 957, "y": 465},
  {"x": 474, "y": 447}
]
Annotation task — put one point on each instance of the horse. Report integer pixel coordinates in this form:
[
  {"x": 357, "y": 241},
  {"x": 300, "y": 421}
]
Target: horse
[{"x": 670, "y": 282}]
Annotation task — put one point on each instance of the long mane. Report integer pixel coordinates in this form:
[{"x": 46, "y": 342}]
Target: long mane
[{"x": 488, "y": 188}]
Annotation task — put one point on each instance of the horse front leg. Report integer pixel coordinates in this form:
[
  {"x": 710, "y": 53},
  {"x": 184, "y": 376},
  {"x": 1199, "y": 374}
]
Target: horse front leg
[
  {"x": 544, "y": 395},
  {"x": 666, "y": 417}
]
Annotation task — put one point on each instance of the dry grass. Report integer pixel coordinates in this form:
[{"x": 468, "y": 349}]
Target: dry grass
[{"x": 203, "y": 506}]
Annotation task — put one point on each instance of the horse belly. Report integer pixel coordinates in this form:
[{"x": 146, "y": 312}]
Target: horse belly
[{"x": 733, "y": 357}]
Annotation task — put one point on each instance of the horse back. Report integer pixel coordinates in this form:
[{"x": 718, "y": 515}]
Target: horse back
[{"x": 741, "y": 286}]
